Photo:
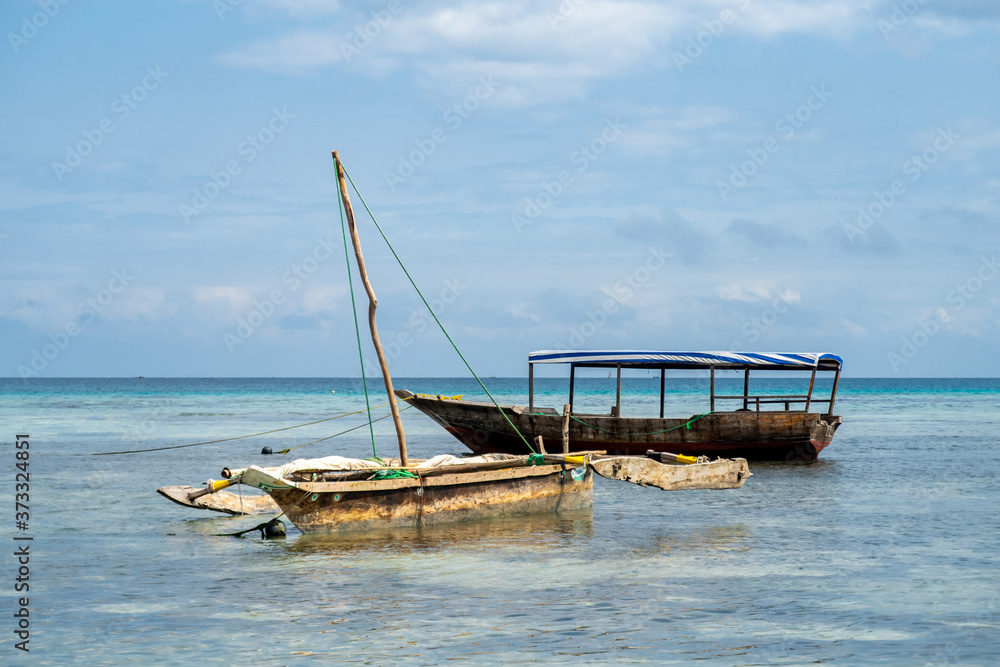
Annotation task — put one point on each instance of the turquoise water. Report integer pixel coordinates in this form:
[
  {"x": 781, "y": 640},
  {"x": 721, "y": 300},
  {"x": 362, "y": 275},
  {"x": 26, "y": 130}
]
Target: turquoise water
[{"x": 883, "y": 552}]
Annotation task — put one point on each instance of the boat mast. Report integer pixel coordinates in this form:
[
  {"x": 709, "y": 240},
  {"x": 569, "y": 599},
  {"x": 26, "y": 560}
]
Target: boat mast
[{"x": 372, "y": 305}]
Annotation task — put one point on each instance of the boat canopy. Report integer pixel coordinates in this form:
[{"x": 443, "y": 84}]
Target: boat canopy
[{"x": 652, "y": 359}]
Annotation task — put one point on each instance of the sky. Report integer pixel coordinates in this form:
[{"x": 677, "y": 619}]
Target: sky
[{"x": 762, "y": 175}]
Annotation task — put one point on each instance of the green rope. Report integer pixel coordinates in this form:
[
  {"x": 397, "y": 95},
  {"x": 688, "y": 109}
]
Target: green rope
[
  {"x": 433, "y": 314},
  {"x": 357, "y": 329},
  {"x": 392, "y": 473},
  {"x": 686, "y": 424}
]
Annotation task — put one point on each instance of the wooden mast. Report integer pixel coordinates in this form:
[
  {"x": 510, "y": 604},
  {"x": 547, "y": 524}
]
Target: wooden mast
[{"x": 372, "y": 305}]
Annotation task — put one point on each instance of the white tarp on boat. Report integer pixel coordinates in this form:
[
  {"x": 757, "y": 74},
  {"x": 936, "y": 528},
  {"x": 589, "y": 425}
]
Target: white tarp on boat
[
  {"x": 451, "y": 460},
  {"x": 325, "y": 464},
  {"x": 277, "y": 476}
]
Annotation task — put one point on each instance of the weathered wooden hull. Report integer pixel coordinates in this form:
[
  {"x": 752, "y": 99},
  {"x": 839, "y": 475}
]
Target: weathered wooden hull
[
  {"x": 757, "y": 436},
  {"x": 408, "y": 502},
  {"x": 644, "y": 471}
]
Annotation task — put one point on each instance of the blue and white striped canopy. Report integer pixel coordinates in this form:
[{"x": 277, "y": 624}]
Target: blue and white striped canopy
[{"x": 647, "y": 359}]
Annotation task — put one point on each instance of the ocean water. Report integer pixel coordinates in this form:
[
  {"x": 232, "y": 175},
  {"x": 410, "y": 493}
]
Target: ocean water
[{"x": 884, "y": 552}]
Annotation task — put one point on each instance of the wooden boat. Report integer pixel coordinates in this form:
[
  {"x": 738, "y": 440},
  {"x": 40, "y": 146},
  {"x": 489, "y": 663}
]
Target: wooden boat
[
  {"x": 317, "y": 499},
  {"x": 514, "y": 490},
  {"x": 345, "y": 495},
  {"x": 644, "y": 471},
  {"x": 318, "y": 495},
  {"x": 751, "y": 431}
]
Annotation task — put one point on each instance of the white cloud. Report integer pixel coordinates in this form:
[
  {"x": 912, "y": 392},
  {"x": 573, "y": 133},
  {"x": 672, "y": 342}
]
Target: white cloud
[
  {"x": 660, "y": 131},
  {"x": 513, "y": 41},
  {"x": 735, "y": 292},
  {"x": 304, "y": 8},
  {"x": 296, "y": 52},
  {"x": 140, "y": 303},
  {"x": 540, "y": 52},
  {"x": 835, "y": 18},
  {"x": 790, "y": 296},
  {"x": 757, "y": 291},
  {"x": 856, "y": 330},
  {"x": 234, "y": 295},
  {"x": 322, "y": 299}
]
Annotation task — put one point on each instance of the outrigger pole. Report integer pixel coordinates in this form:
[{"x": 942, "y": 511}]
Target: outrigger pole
[{"x": 372, "y": 305}]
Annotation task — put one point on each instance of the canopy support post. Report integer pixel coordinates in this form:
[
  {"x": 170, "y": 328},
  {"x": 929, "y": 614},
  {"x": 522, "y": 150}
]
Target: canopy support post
[
  {"x": 572, "y": 380},
  {"x": 711, "y": 386},
  {"x": 809, "y": 396},
  {"x": 531, "y": 387},
  {"x": 833, "y": 394},
  {"x": 618, "y": 392},
  {"x": 746, "y": 388},
  {"x": 663, "y": 376}
]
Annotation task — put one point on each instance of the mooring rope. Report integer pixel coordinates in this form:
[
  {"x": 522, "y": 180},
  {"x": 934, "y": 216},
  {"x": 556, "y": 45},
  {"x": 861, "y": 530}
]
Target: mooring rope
[
  {"x": 354, "y": 428},
  {"x": 262, "y": 526},
  {"x": 240, "y": 437},
  {"x": 433, "y": 314}
]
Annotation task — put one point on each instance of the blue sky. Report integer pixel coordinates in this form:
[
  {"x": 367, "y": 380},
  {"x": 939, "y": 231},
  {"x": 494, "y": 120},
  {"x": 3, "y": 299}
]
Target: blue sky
[{"x": 746, "y": 174}]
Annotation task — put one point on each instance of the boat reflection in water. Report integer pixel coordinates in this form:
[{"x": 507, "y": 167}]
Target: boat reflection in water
[{"x": 533, "y": 532}]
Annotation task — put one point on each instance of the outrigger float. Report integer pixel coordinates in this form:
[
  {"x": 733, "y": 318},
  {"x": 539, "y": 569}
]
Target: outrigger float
[
  {"x": 335, "y": 494},
  {"x": 793, "y": 432}
]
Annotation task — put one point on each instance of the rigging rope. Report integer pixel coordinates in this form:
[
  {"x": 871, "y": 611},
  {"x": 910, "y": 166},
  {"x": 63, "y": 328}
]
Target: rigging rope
[
  {"x": 354, "y": 307},
  {"x": 433, "y": 314}
]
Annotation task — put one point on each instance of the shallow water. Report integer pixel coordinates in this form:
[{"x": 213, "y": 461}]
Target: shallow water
[{"x": 883, "y": 552}]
